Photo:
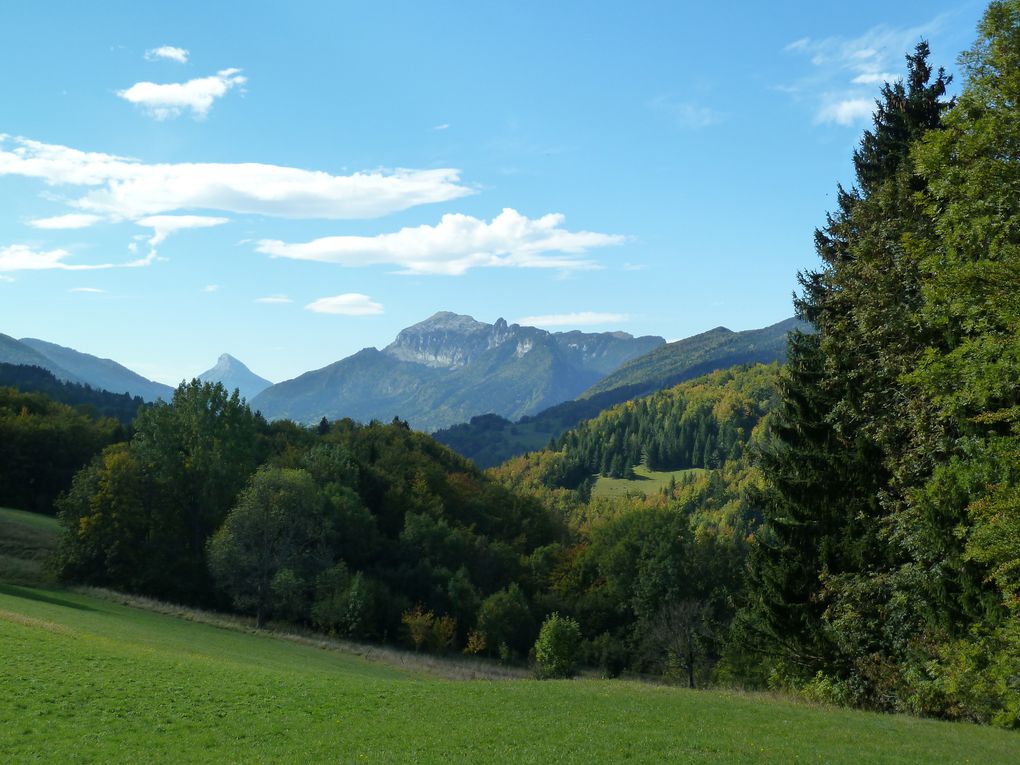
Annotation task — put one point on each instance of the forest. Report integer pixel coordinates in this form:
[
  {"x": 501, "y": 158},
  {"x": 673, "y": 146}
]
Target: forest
[{"x": 843, "y": 527}]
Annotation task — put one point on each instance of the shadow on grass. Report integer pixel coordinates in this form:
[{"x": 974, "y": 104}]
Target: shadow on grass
[{"x": 43, "y": 597}]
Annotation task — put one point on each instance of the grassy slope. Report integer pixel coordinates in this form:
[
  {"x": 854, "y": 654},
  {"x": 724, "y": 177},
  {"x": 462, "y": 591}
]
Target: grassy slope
[
  {"x": 647, "y": 482},
  {"x": 87, "y": 680},
  {"x": 27, "y": 540}
]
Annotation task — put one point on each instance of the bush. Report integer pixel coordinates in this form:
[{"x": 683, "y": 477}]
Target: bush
[{"x": 558, "y": 647}]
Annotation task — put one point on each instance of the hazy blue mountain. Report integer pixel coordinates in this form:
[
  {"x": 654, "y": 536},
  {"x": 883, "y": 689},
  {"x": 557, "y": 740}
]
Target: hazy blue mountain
[
  {"x": 490, "y": 439},
  {"x": 451, "y": 367},
  {"x": 233, "y": 374},
  {"x": 16, "y": 352},
  {"x": 718, "y": 348},
  {"x": 104, "y": 374}
]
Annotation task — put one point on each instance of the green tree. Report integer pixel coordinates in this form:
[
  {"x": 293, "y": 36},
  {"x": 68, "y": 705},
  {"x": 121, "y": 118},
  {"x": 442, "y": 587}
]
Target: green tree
[
  {"x": 558, "y": 648},
  {"x": 278, "y": 525}
]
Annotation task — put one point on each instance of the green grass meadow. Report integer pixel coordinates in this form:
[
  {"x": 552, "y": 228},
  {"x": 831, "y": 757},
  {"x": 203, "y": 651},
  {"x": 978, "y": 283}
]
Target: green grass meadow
[
  {"x": 86, "y": 679},
  {"x": 647, "y": 482}
]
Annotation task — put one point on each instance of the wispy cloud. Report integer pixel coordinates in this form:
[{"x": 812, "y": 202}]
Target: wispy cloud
[
  {"x": 687, "y": 114},
  {"x": 164, "y": 225},
  {"x": 444, "y": 126},
  {"x": 167, "y": 52},
  {"x": 71, "y": 220},
  {"x": 274, "y": 300},
  {"x": 20, "y": 257},
  {"x": 841, "y": 84},
  {"x": 121, "y": 187},
  {"x": 211, "y": 288},
  {"x": 350, "y": 304},
  {"x": 456, "y": 245},
  {"x": 170, "y": 100},
  {"x": 579, "y": 319},
  {"x": 88, "y": 290}
]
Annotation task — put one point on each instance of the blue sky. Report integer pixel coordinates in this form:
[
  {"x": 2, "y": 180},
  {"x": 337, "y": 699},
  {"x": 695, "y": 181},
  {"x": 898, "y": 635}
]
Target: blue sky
[{"x": 290, "y": 185}]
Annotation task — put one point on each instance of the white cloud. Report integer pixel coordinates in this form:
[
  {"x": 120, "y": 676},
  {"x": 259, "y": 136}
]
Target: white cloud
[
  {"x": 350, "y": 304},
  {"x": 274, "y": 299},
  {"x": 579, "y": 319},
  {"x": 168, "y": 52},
  {"x": 7, "y": 279},
  {"x": 444, "y": 126},
  {"x": 849, "y": 111},
  {"x": 88, "y": 290},
  {"x": 458, "y": 243},
  {"x": 20, "y": 257},
  {"x": 127, "y": 188},
  {"x": 841, "y": 83},
  {"x": 71, "y": 220},
  {"x": 686, "y": 114},
  {"x": 876, "y": 78},
  {"x": 170, "y": 100},
  {"x": 211, "y": 288},
  {"x": 164, "y": 225}
]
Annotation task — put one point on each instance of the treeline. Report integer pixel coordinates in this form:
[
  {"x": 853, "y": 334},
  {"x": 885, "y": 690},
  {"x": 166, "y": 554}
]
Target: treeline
[
  {"x": 888, "y": 572},
  {"x": 43, "y": 443},
  {"x": 355, "y": 530},
  {"x": 694, "y": 425},
  {"x": 90, "y": 401}
]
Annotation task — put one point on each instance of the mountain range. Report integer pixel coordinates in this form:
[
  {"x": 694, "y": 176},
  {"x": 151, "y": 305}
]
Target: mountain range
[
  {"x": 490, "y": 439},
  {"x": 451, "y": 367}
]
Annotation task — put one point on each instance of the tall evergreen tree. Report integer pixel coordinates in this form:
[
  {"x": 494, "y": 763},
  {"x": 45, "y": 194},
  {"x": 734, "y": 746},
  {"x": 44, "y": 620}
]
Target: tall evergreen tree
[{"x": 827, "y": 470}]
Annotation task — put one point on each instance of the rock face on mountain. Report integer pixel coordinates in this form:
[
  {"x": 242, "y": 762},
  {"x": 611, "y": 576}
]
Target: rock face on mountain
[
  {"x": 105, "y": 374},
  {"x": 233, "y": 374},
  {"x": 449, "y": 368}
]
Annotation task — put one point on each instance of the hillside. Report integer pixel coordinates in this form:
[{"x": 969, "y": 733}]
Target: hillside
[
  {"x": 450, "y": 368},
  {"x": 490, "y": 440},
  {"x": 686, "y": 359},
  {"x": 33, "y": 379},
  {"x": 232, "y": 374},
  {"x": 105, "y": 374},
  {"x": 17, "y": 353},
  {"x": 96, "y": 681}
]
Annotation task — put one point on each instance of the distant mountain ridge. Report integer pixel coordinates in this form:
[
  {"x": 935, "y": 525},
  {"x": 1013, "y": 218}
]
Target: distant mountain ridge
[
  {"x": 104, "y": 374},
  {"x": 450, "y": 367},
  {"x": 73, "y": 366},
  {"x": 233, "y": 374},
  {"x": 490, "y": 440}
]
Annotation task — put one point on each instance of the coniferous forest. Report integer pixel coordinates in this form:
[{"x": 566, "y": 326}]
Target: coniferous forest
[{"x": 844, "y": 526}]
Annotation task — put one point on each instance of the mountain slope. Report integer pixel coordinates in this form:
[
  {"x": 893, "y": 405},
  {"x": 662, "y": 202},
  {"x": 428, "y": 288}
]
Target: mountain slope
[
  {"x": 105, "y": 374},
  {"x": 490, "y": 440},
  {"x": 684, "y": 359},
  {"x": 17, "y": 353},
  {"x": 451, "y": 367},
  {"x": 232, "y": 374}
]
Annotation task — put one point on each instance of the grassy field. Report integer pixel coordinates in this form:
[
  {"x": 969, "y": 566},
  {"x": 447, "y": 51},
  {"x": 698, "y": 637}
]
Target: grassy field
[
  {"x": 27, "y": 541},
  {"x": 85, "y": 679},
  {"x": 647, "y": 482}
]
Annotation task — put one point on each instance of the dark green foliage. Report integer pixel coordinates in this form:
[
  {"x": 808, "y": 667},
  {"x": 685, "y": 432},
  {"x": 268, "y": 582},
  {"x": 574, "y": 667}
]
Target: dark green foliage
[
  {"x": 506, "y": 621},
  {"x": 90, "y": 401},
  {"x": 558, "y": 648},
  {"x": 273, "y": 544},
  {"x": 43, "y": 444},
  {"x": 880, "y": 579},
  {"x": 139, "y": 517}
]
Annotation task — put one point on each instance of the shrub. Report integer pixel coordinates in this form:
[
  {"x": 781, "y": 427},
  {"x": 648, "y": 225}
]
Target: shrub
[{"x": 558, "y": 647}]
